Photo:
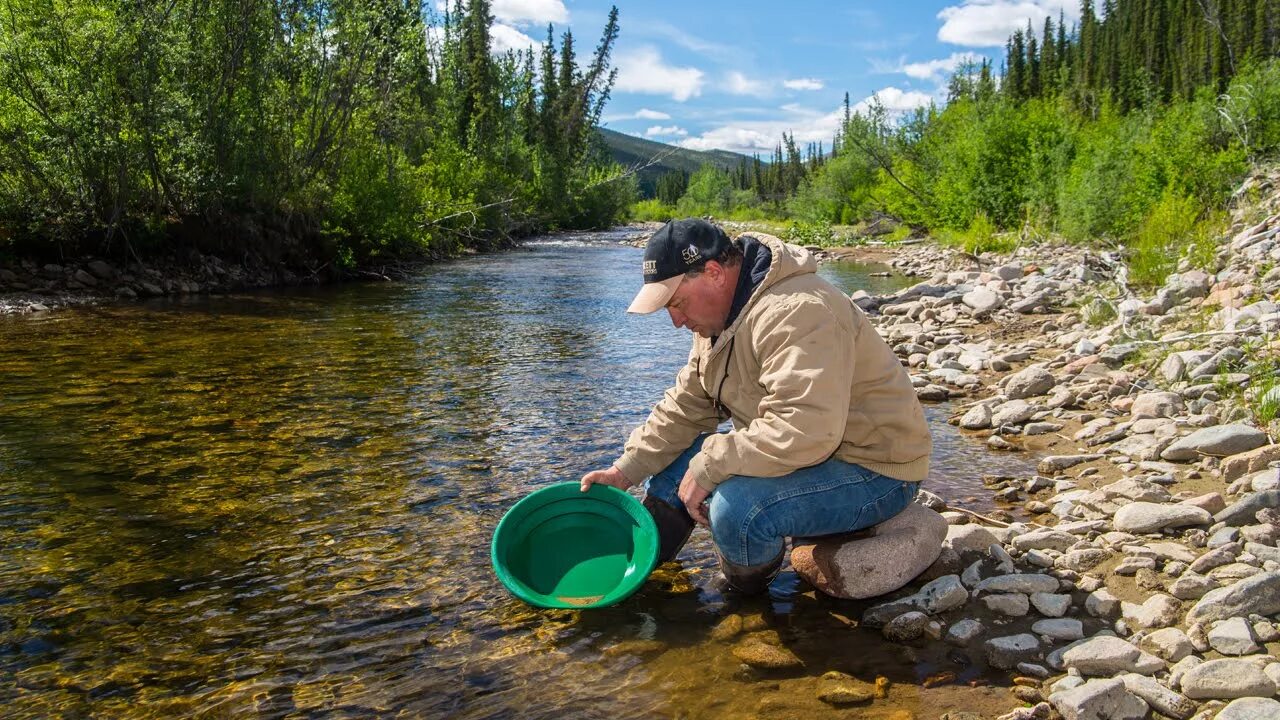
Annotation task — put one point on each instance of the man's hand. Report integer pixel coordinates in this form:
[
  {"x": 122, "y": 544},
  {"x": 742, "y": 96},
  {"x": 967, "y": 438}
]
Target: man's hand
[
  {"x": 612, "y": 477},
  {"x": 694, "y": 498}
]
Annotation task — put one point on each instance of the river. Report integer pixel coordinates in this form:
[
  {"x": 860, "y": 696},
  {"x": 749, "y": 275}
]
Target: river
[{"x": 278, "y": 504}]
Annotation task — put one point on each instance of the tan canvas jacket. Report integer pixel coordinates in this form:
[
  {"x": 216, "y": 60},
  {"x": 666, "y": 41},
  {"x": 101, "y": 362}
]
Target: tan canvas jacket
[{"x": 804, "y": 377}]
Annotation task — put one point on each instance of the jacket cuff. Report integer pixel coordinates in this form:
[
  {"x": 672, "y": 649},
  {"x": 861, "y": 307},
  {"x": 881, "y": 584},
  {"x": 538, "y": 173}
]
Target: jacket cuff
[
  {"x": 704, "y": 473},
  {"x": 631, "y": 468}
]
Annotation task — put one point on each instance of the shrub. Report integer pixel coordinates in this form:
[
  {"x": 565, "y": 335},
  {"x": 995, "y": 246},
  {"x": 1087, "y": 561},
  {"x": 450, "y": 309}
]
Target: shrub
[{"x": 1161, "y": 238}]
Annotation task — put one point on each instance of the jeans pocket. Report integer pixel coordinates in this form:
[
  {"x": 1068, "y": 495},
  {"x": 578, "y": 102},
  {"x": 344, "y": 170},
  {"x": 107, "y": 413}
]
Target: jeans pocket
[{"x": 886, "y": 505}]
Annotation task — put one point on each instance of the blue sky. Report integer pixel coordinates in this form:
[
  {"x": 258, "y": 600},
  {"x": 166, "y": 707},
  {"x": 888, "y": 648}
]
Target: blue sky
[{"x": 736, "y": 75}]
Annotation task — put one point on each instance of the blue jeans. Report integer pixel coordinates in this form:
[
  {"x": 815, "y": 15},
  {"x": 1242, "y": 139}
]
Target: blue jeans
[{"x": 751, "y": 517}]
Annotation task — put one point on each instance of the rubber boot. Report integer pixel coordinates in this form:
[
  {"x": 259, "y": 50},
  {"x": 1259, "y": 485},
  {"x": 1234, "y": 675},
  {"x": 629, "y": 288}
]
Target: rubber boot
[
  {"x": 674, "y": 527},
  {"x": 750, "y": 579}
]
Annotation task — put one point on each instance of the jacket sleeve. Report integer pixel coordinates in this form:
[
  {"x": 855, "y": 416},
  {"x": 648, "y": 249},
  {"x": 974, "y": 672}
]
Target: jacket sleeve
[
  {"x": 806, "y": 370},
  {"x": 684, "y": 412}
]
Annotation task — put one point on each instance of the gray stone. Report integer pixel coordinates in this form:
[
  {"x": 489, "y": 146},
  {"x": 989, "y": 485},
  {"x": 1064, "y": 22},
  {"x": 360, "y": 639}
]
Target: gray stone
[
  {"x": 1233, "y": 637},
  {"x": 964, "y": 632},
  {"x": 860, "y": 567},
  {"x": 1257, "y": 595},
  {"x": 1083, "y": 560},
  {"x": 1251, "y": 708},
  {"x": 1102, "y": 655},
  {"x": 1021, "y": 583},
  {"x": 1169, "y": 644},
  {"x": 1014, "y": 412},
  {"x": 945, "y": 593},
  {"x": 1157, "y": 405},
  {"x": 1006, "y": 652},
  {"x": 1045, "y": 540},
  {"x": 1051, "y": 604},
  {"x": 969, "y": 538},
  {"x": 1059, "y": 628},
  {"x": 1160, "y": 698},
  {"x": 906, "y": 627},
  {"x": 1029, "y": 382},
  {"x": 1010, "y": 604},
  {"x": 1143, "y": 517},
  {"x": 102, "y": 270},
  {"x": 1099, "y": 700},
  {"x": 1101, "y": 603},
  {"x": 983, "y": 300},
  {"x": 1215, "y": 558},
  {"x": 1225, "y": 679},
  {"x": 1158, "y": 611},
  {"x": 1218, "y": 441},
  {"x": 978, "y": 418},
  {"x": 1054, "y": 464},
  {"x": 1244, "y": 510}
]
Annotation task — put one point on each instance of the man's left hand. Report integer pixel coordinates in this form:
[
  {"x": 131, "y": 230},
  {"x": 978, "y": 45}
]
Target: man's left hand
[{"x": 694, "y": 498}]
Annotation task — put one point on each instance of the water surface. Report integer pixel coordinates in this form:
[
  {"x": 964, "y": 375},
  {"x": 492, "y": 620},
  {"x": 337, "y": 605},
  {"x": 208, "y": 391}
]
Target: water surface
[{"x": 279, "y": 504}]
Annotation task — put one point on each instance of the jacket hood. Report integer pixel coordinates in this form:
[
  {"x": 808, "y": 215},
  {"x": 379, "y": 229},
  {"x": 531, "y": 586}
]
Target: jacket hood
[{"x": 788, "y": 261}]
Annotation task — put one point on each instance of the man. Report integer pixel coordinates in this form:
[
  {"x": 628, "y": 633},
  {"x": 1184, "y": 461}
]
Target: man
[{"x": 828, "y": 436}]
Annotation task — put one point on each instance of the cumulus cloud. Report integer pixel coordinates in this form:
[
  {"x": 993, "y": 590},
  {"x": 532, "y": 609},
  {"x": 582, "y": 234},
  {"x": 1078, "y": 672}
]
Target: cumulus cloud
[
  {"x": 935, "y": 69},
  {"x": 530, "y": 12},
  {"x": 895, "y": 100},
  {"x": 737, "y": 83},
  {"x": 989, "y": 23},
  {"x": 660, "y": 131},
  {"x": 641, "y": 114},
  {"x": 760, "y": 136},
  {"x": 505, "y": 37},
  {"x": 803, "y": 84},
  {"x": 644, "y": 71}
]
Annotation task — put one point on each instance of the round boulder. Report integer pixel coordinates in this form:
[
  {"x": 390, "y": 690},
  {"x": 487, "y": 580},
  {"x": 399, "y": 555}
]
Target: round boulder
[{"x": 875, "y": 561}]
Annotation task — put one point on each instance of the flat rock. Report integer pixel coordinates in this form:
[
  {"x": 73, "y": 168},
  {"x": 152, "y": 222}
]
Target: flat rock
[
  {"x": 1218, "y": 441},
  {"x": 945, "y": 593},
  {"x": 759, "y": 654},
  {"x": 1008, "y": 604},
  {"x": 1226, "y": 679},
  {"x": 1168, "y": 644},
  {"x": 1102, "y": 655},
  {"x": 964, "y": 631},
  {"x": 1054, "y": 464},
  {"x": 969, "y": 538},
  {"x": 1245, "y": 510},
  {"x": 1233, "y": 637},
  {"x": 1099, "y": 700},
  {"x": 1051, "y": 604},
  {"x": 1160, "y": 698},
  {"x": 857, "y": 567},
  {"x": 1006, "y": 652},
  {"x": 1059, "y": 628},
  {"x": 1019, "y": 583},
  {"x": 1250, "y": 708},
  {"x": 1252, "y": 461},
  {"x": 1257, "y": 595},
  {"x": 1143, "y": 517},
  {"x": 1044, "y": 540}
]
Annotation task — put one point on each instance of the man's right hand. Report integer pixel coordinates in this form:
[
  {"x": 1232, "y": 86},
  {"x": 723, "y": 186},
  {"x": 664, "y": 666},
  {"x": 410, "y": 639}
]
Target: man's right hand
[{"x": 612, "y": 477}]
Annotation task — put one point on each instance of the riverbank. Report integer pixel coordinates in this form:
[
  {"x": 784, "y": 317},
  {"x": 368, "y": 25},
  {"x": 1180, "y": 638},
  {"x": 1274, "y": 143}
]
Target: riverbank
[{"x": 1148, "y": 577}]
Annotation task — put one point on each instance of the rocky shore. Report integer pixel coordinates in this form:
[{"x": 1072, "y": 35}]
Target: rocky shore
[{"x": 1137, "y": 575}]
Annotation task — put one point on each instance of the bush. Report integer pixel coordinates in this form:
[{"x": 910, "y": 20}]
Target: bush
[
  {"x": 1161, "y": 238},
  {"x": 652, "y": 210}
]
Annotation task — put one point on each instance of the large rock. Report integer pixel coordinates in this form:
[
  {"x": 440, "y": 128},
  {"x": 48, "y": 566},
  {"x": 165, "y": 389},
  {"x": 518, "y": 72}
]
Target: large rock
[
  {"x": 983, "y": 300},
  {"x": 1160, "y": 698},
  {"x": 1233, "y": 637},
  {"x": 1249, "y": 462},
  {"x": 1006, "y": 652},
  {"x": 1029, "y": 382},
  {"x": 1257, "y": 595},
  {"x": 1157, "y": 405},
  {"x": 1219, "y": 441},
  {"x": 1104, "y": 655},
  {"x": 1143, "y": 517},
  {"x": 1225, "y": 679},
  {"x": 1099, "y": 700},
  {"x": 861, "y": 566}
]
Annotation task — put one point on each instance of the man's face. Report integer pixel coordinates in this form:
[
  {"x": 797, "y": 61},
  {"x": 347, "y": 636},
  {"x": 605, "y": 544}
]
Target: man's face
[{"x": 701, "y": 304}]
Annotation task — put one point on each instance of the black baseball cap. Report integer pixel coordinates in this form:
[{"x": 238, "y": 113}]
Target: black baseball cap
[{"x": 677, "y": 247}]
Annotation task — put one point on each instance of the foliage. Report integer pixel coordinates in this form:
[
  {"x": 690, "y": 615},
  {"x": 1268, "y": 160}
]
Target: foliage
[
  {"x": 1167, "y": 228},
  {"x": 364, "y": 128},
  {"x": 810, "y": 234}
]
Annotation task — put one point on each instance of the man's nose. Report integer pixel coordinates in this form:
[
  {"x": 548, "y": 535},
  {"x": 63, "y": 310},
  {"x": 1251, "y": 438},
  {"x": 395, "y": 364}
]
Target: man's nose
[{"x": 677, "y": 318}]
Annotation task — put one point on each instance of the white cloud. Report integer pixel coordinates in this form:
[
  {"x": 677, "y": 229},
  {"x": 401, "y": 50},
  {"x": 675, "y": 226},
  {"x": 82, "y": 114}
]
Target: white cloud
[
  {"x": 934, "y": 69},
  {"x": 647, "y": 114},
  {"x": 989, "y": 23},
  {"x": 738, "y": 84},
  {"x": 895, "y": 100},
  {"x": 530, "y": 12},
  {"x": 644, "y": 71},
  {"x": 660, "y": 131},
  {"x": 505, "y": 37},
  {"x": 804, "y": 84},
  {"x": 752, "y": 136}
]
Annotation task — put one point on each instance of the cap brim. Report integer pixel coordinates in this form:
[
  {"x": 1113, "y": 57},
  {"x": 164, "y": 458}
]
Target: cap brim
[{"x": 655, "y": 295}]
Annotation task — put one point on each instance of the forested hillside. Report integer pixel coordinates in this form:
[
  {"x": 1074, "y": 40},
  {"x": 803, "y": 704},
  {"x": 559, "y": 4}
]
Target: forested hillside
[
  {"x": 1130, "y": 127},
  {"x": 343, "y": 130}
]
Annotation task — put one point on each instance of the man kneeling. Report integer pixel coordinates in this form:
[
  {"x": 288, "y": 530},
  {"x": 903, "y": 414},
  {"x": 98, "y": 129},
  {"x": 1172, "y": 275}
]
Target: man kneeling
[{"x": 828, "y": 436}]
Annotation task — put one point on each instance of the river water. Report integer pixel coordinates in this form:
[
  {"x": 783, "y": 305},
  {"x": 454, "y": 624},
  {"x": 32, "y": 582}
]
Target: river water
[{"x": 279, "y": 504}]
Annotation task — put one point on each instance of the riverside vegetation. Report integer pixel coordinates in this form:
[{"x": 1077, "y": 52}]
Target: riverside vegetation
[
  {"x": 1126, "y": 130},
  {"x": 314, "y": 135}
]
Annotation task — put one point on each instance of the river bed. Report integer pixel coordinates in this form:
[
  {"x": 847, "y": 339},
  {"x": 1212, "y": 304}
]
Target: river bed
[{"x": 279, "y": 504}]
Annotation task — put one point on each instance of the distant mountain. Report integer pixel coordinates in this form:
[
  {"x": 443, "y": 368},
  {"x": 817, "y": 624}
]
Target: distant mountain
[{"x": 629, "y": 150}]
